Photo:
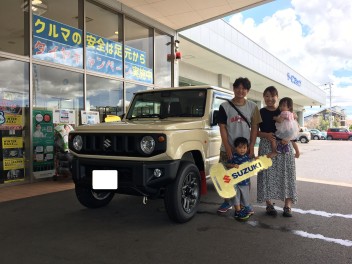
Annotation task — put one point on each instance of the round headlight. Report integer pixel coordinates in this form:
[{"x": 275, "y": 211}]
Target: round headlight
[
  {"x": 77, "y": 142},
  {"x": 147, "y": 144}
]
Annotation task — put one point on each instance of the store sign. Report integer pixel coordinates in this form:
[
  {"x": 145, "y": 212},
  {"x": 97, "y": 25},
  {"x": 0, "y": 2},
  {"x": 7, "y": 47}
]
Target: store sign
[
  {"x": 56, "y": 42},
  {"x": 293, "y": 79},
  {"x": 60, "y": 43}
]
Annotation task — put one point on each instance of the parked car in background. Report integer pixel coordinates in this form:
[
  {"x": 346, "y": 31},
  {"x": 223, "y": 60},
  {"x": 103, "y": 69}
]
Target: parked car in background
[
  {"x": 304, "y": 135},
  {"x": 339, "y": 133},
  {"x": 316, "y": 134}
]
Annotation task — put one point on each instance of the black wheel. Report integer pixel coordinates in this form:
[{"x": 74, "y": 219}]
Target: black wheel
[
  {"x": 303, "y": 140},
  {"x": 329, "y": 137},
  {"x": 182, "y": 197},
  {"x": 93, "y": 199},
  {"x": 350, "y": 138},
  {"x": 316, "y": 138}
]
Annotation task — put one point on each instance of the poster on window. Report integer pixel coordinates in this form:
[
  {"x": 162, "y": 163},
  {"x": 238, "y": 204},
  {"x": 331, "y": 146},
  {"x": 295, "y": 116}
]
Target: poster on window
[
  {"x": 11, "y": 117},
  {"x": 64, "y": 116},
  {"x": 12, "y": 159},
  {"x": 90, "y": 117},
  {"x": 43, "y": 144},
  {"x": 11, "y": 141}
]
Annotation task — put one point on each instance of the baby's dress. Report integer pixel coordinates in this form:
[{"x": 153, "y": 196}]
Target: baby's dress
[{"x": 288, "y": 128}]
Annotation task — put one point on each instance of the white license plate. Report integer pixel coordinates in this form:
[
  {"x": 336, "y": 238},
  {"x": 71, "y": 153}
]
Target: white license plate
[{"x": 104, "y": 179}]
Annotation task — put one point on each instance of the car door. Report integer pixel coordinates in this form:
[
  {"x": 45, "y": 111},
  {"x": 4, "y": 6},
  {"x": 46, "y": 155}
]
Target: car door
[
  {"x": 214, "y": 132},
  {"x": 343, "y": 133}
]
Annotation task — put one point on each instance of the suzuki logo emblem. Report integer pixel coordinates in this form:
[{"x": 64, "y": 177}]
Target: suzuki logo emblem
[
  {"x": 227, "y": 179},
  {"x": 107, "y": 143}
]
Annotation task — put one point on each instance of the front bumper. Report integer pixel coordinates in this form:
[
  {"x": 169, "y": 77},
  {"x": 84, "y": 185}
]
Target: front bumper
[{"x": 134, "y": 177}]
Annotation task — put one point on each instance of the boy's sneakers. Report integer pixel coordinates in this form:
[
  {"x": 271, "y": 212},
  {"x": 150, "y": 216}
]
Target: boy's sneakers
[
  {"x": 242, "y": 215},
  {"x": 224, "y": 207},
  {"x": 270, "y": 210},
  {"x": 249, "y": 209}
]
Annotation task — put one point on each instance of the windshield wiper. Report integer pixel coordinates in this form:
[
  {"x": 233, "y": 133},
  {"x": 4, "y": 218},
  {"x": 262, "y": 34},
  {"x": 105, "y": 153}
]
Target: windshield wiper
[{"x": 147, "y": 116}]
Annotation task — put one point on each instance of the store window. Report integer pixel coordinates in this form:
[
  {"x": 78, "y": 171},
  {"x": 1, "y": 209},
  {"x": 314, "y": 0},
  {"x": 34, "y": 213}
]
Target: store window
[
  {"x": 57, "y": 32},
  {"x": 104, "y": 97},
  {"x": 162, "y": 63},
  {"x": 57, "y": 89},
  {"x": 104, "y": 40},
  {"x": 14, "y": 32},
  {"x": 57, "y": 102},
  {"x": 138, "y": 52},
  {"x": 14, "y": 118},
  {"x": 133, "y": 88}
]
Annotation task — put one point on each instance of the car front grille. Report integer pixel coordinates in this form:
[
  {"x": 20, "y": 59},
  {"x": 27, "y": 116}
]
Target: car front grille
[{"x": 116, "y": 144}]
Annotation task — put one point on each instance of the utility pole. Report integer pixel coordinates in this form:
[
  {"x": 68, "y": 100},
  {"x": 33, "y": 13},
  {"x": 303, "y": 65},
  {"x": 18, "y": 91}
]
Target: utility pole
[{"x": 330, "y": 114}]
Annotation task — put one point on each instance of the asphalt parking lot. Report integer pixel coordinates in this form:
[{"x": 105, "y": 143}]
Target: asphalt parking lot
[{"x": 326, "y": 161}]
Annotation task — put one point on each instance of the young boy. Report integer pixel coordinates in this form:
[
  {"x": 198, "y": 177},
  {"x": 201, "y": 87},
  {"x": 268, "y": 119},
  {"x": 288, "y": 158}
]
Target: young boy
[{"x": 242, "y": 189}]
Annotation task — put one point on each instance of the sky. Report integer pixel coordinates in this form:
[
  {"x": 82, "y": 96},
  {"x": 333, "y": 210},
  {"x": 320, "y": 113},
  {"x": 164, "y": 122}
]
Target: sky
[{"x": 313, "y": 37}]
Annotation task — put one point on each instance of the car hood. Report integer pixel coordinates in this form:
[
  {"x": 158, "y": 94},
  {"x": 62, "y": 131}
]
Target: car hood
[{"x": 143, "y": 125}]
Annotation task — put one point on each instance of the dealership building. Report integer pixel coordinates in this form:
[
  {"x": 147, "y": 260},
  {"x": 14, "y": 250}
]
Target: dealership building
[{"x": 62, "y": 61}]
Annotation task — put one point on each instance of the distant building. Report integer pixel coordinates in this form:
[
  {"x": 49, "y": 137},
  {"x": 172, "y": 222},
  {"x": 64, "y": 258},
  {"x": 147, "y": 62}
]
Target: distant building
[
  {"x": 337, "y": 113},
  {"x": 348, "y": 123}
]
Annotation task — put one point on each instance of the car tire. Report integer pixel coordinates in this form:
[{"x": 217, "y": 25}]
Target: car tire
[
  {"x": 329, "y": 138},
  {"x": 303, "y": 140},
  {"x": 350, "y": 138},
  {"x": 182, "y": 197},
  {"x": 93, "y": 199},
  {"x": 316, "y": 137}
]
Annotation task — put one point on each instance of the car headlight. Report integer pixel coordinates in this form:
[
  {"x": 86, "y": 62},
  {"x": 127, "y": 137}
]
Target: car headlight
[
  {"x": 77, "y": 142},
  {"x": 147, "y": 144}
]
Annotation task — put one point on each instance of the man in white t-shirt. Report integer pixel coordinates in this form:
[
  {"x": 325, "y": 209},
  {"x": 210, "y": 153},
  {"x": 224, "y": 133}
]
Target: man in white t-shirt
[{"x": 233, "y": 123}]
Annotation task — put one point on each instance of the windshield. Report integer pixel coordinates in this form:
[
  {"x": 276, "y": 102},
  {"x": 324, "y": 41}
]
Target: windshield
[{"x": 163, "y": 104}]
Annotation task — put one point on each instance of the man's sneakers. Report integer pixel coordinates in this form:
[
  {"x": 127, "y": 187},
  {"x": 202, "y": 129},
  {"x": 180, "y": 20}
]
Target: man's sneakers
[
  {"x": 241, "y": 215},
  {"x": 224, "y": 207}
]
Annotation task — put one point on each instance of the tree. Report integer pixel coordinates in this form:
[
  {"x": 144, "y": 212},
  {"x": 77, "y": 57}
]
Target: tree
[
  {"x": 319, "y": 123},
  {"x": 324, "y": 125},
  {"x": 313, "y": 122}
]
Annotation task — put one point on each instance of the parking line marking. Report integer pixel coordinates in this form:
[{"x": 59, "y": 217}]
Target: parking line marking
[
  {"x": 313, "y": 212},
  {"x": 343, "y": 242},
  {"x": 301, "y": 233},
  {"x": 325, "y": 182}
]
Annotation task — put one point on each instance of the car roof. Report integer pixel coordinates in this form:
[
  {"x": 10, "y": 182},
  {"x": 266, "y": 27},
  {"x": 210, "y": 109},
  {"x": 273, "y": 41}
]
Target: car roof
[{"x": 188, "y": 88}]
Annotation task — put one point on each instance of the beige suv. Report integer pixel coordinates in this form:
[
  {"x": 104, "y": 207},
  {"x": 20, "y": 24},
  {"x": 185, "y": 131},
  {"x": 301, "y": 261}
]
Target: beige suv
[{"x": 162, "y": 148}]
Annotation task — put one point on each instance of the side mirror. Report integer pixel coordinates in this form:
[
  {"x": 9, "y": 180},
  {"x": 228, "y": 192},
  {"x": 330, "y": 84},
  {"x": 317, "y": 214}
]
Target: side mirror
[{"x": 214, "y": 121}]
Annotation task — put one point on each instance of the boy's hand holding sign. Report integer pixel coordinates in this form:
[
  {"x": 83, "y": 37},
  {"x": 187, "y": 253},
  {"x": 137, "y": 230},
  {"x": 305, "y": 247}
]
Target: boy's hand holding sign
[{"x": 224, "y": 180}]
